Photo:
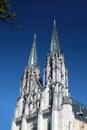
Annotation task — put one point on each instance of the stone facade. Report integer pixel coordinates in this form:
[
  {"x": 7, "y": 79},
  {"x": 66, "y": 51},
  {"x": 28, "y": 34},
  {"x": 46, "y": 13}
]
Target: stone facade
[{"x": 47, "y": 104}]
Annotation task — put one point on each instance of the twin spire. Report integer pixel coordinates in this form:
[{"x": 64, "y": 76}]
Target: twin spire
[
  {"x": 55, "y": 48},
  {"x": 33, "y": 55},
  {"x": 54, "y": 41}
]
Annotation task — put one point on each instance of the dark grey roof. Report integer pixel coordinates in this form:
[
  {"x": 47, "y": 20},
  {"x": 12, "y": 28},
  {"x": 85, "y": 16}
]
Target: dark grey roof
[{"x": 80, "y": 111}]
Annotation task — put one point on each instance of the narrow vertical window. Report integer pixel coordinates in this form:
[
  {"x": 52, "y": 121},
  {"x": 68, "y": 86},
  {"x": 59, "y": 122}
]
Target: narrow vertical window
[
  {"x": 49, "y": 126},
  {"x": 35, "y": 126},
  {"x": 20, "y": 127}
]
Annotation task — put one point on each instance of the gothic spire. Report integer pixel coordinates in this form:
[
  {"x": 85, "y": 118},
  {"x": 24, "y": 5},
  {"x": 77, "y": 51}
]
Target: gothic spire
[
  {"x": 54, "y": 41},
  {"x": 33, "y": 55}
]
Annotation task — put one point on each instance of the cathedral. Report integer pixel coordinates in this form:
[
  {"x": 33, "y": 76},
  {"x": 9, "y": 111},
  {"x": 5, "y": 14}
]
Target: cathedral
[{"x": 47, "y": 104}]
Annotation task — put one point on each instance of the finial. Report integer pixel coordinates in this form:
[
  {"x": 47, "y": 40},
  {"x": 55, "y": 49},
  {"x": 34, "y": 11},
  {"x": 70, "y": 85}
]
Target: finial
[
  {"x": 35, "y": 35},
  {"x": 54, "y": 21}
]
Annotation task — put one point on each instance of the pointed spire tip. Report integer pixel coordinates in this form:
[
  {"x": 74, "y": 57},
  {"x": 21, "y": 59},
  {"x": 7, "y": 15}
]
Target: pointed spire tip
[
  {"x": 33, "y": 55},
  {"x": 54, "y": 41},
  {"x": 54, "y": 21},
  {"x": 35, "y": 35}
]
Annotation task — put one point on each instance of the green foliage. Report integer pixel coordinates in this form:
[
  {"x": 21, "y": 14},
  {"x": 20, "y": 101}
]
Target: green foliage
[{"x": 6, "y": 15}]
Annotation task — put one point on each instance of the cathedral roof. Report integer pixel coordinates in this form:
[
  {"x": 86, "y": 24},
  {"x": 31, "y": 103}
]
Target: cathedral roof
[{"x": 80, "y": 111}]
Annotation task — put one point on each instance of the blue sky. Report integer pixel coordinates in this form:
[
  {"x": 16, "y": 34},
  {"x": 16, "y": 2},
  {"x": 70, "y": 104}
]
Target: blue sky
[{"x": 37, "y": 16}]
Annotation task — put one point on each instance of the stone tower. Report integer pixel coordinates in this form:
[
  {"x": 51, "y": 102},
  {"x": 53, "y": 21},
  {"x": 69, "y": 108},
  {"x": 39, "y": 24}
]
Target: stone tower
[
  {"x": 45, "y": 105},
  {"x": 56, "y": 95}
]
